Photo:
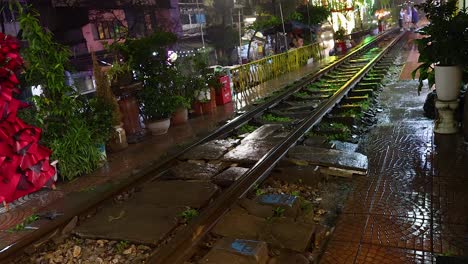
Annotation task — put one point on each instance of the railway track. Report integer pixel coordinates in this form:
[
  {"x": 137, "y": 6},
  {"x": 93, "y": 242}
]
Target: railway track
[{"x": 230, "y": 162}]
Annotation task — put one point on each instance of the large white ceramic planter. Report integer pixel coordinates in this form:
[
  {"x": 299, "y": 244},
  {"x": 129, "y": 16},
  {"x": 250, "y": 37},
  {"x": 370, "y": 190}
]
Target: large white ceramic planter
[
  {"x": 159, "y": 127},
  {"x": 448, "y": 80}
]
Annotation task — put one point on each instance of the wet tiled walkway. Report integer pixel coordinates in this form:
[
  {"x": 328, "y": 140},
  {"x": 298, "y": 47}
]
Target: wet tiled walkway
[{"x": 412, "y": 206}]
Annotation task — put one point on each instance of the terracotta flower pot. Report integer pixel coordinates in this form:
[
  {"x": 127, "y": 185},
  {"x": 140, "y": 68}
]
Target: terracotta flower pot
[
  {"x": 207, "y": 107},
  {"x": 197, "y": 108},
  {"x": 159, "y": 127},
  {"x": 213, "y": 97},
  {"x": 179, "y": 117}
]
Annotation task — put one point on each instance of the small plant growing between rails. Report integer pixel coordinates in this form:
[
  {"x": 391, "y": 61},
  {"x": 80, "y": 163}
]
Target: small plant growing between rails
[
  {"x": 296, "y": 193},
  {"x": 258, "y": 190},
  {"x": 189, "y": 214},
  {"x": 278, "y": 212},
  {"x": 273, "y": 118},
  {"x": 247, "y": 129},
  {"x": 121, "y": 246},
  {"x": 302, "y": 95},
  {"x": 21, "y": 226}
]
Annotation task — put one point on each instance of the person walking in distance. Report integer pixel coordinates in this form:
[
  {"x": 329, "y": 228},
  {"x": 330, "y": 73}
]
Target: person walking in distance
[
  {"x": 414, "y": 17},
  {"x": 401, "y": 19}
]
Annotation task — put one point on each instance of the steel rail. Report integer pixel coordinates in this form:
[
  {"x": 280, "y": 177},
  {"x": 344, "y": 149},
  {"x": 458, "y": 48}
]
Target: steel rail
[
  {"x": 183, "y": 244},
  {"x": 149, "y": 172}
]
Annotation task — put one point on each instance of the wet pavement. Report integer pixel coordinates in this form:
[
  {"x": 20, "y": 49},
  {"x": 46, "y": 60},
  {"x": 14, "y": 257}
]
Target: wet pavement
[{"x": 411, "y": 207}]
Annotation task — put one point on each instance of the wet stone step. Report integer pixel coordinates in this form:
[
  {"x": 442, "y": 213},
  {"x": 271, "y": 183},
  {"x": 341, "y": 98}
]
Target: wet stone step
[
  {"x": 345, "y": 146},
  {"x": 212, "y": 150},
  {"x": 375, "y": 75},
  {"x": 339, "y": 76},
  {"x": 371, "y": 80},
  {"x": 306, "y": 104},
  {"x": 355, "y": 99},
  {"x": 263, "y": 132},
  {"x": 229, "y": 176},
  {"x": 308, "y": 175},
  {"x": 369, "y": 85},
  {"x": 251, "y": 151},
  {"x": 321, "y": 91},
  {"x": 278, "y": 231},
  {"x": 237, "y": 251},
  {"x": 305, "y": 107},
  {"x": 379, "y": 67},
  {"x": 315, "y": 96},
  {"x": 346, "y": 108},
  {"x": 351, "y": 72},
  {"x": 196, "y": 170},
  {"x": 194, "y": 194},
  {"x": 364, "y": 60},
  {"x": 317, "y": 141},
  {"x": 329, "y": 158},
  {"x": 129, "y": 222},
  {"x": 348, "y": 119},
  {"x": 160, "y": 201},
  {"x": 362, "y": 92},
  {"x": 296, "y": 114}
]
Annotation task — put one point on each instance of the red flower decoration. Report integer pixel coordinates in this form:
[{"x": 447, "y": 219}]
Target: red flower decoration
[{"x": 24, "y": 164}]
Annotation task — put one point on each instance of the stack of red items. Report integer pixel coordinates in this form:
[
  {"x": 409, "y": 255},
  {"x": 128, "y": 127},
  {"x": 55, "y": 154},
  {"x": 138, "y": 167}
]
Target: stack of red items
[{"x": 24, "y": 164}]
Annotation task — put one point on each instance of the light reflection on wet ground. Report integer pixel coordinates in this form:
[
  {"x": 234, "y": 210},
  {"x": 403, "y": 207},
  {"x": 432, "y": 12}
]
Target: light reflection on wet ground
[{"x": 412, "y": 205}]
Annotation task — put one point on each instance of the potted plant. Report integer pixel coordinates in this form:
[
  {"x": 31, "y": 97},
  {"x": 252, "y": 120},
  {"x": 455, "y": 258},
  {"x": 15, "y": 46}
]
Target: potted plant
[
  {"x": 159, "y": 76},
  {"x": 443, "y": 51},
  {"x": 181, "y": 104},
  {"x": 340, "y": 40},
  {"x": 118, "y": 140}
]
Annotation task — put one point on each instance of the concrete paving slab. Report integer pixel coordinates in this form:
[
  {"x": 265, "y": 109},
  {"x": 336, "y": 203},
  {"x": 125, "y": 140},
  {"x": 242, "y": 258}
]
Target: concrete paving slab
[
  {"x": 129, "y": 222},
  {"x": 329, "y": 158},
  {"x": 249, "y": 152},
  {"x": 345, "y": 146},
  {"x": 287, "y": 233},
  {"x": 212, "y": 150},
  {"x": 278, "y": 231},
  {"x": 263, "y": 132},
  {"x": 237, "y": 251},
  {"x": 197, "y": 171},
  {"x": 238, "y": 224},
  {"x": 229, "y": 176},
  {"x": 194, "y": 194},
  {"x": 289, "y": 203},
  {"x": 318, "y": 141}
]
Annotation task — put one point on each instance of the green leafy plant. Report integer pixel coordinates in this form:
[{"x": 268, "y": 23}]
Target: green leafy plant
[
  {"x": 303, "y": 95},
  {"x": 189, "y": 214},
  {"x": 278, "y": 212},
  {"x": 161, "y": 79},
  {"x": 76, "y": 150},
  {"x": 296, "y": 193},
  {"x": 121, "y": 246},
  {"x": 247, "y": 129},
  {"x": 259, "y": 192},
  {"x": 273, "y": 118},
  {"x": 72, "y": 125},
  {"x": 444, "y": 41},
  {"x": 21, "y": 226}
]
